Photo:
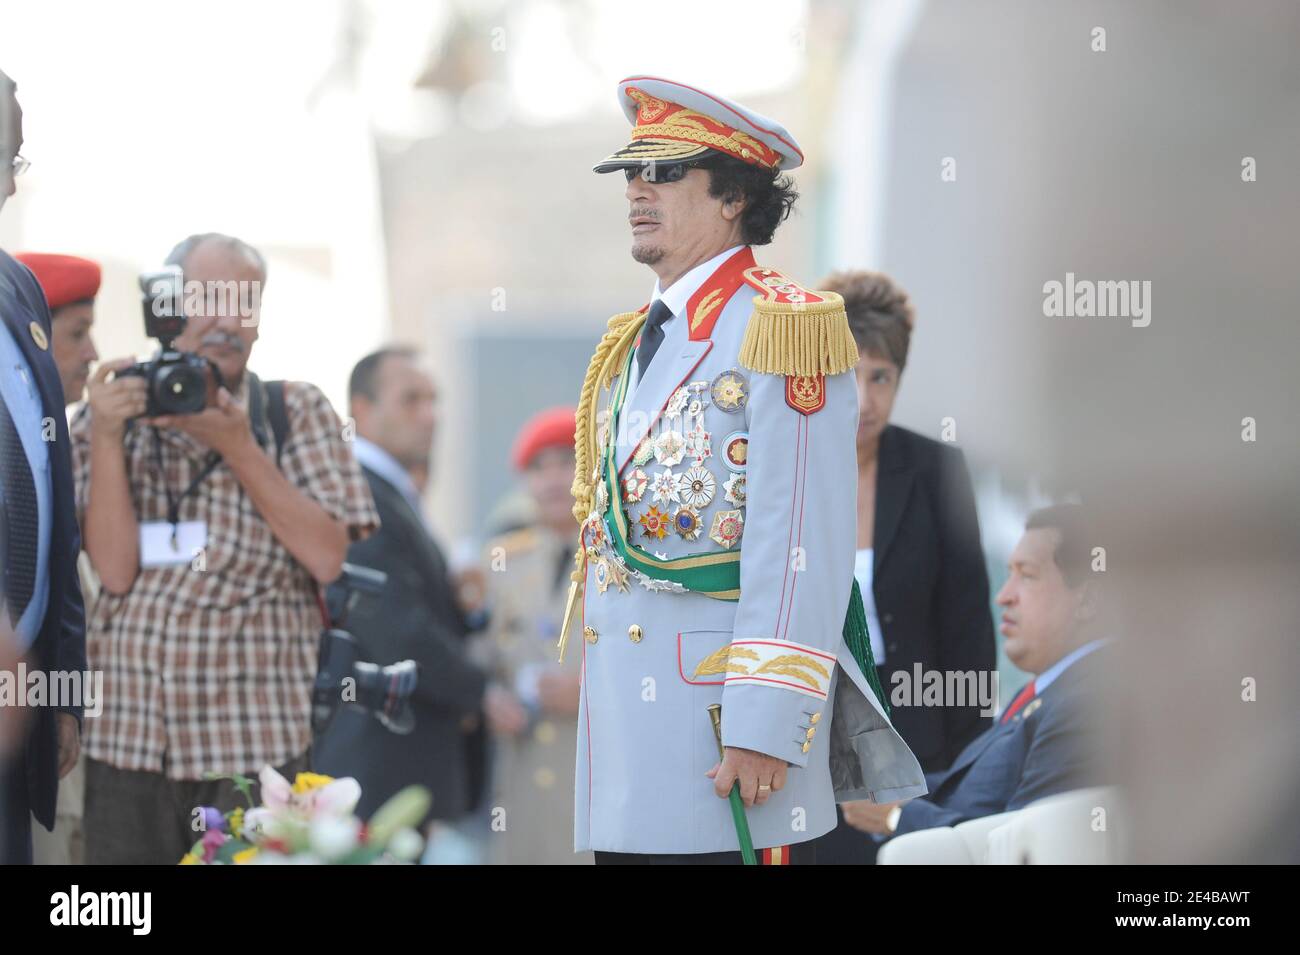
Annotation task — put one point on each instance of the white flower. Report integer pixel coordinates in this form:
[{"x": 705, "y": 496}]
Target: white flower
[
  {"x": 276, "y": 791},
  {"x": 406, "y": 845},
  {"x": 333, "y": 837}
]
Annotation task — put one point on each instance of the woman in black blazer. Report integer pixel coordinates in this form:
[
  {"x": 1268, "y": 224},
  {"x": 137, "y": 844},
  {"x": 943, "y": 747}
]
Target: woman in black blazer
[{"x": 920, "y": 565}]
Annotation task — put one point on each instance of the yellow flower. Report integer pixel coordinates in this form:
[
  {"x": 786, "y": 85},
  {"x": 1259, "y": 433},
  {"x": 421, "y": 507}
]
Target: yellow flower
[
  {"x": 306, "y": 782},
  {"x": 237, "y": 822},
  {"x": 189, "y": 859},
  {"x": 247, "y": 855}
]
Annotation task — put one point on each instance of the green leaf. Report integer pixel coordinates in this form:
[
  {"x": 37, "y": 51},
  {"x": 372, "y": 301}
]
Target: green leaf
[
  {"x": 243, "y": 784},
  {"x": 405, "y": 810}
]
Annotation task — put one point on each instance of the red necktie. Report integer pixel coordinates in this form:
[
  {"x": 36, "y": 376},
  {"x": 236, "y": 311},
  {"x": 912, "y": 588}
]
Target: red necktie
[{"x": 1023, "y": 697}]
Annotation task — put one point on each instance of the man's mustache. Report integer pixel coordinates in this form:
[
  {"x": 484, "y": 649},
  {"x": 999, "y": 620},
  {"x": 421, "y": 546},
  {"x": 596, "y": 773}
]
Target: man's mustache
[
  {"x": 643, "y": 214},
  {"x": 222, "y": 338}
]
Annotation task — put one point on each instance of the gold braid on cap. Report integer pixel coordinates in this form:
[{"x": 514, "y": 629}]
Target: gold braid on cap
[
  {"x": 799, "y": 338},
  {"x": 621, "y": 330}
]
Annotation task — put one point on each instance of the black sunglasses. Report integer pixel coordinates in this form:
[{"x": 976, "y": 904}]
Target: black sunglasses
[{"x": 662, "y": 172}]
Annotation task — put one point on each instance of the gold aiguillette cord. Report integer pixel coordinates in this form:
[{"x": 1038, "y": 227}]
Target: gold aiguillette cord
[{"x": 570, "y": 605}]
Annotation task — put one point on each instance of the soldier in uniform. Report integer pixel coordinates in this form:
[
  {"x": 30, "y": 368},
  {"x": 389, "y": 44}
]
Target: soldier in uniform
[
  {"x": 715, "y": 487},
  {"x": 527, "y": 579}
]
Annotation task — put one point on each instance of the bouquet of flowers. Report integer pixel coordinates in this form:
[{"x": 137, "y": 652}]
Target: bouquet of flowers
[{"x": 309, "y": 822}]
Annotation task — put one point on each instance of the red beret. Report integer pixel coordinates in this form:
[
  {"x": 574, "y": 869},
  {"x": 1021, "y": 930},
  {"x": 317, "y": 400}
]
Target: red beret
[
  {"x": 65, "y": 278},
  {"x": 550, "y": 428}
]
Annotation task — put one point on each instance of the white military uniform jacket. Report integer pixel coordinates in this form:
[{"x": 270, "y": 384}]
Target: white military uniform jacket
[{"x": 702, "y": 433}]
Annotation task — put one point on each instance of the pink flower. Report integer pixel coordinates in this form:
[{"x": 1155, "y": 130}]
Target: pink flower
[
  {"x": 336, "y": 798},
  {"x": 213, "y": 840}
]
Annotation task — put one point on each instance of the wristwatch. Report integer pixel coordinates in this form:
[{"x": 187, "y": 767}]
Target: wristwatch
[{"x": 891, "y": 821}]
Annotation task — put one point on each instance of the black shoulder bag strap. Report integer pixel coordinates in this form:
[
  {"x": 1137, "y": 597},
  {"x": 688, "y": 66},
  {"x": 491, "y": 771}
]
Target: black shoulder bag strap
[
  {"x": 266, "y": 406},
  {"x": 278, "y": 415}
]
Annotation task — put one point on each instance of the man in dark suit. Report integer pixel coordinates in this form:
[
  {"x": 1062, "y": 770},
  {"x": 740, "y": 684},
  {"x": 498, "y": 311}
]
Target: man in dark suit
[
  {"x": 1042, "y": 743},
  {"x": 417, "y": 617},
  {"x": 39, "y": 540}
]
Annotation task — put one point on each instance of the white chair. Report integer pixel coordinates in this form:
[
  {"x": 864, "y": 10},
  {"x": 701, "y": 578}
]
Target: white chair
[
  {"x": 963, "y": 844},
  {"x": 1074, "y": 828},
  {"x": 1070, "y": 828}
]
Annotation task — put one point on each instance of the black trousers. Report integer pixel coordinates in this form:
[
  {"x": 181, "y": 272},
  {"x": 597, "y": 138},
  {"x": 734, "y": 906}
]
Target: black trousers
[
  {"x": 142, "y": 818},
  {"x": 845, "y": 845},
  {"x": 802, "y": 853},
  {"x": 15, "y": 816}
]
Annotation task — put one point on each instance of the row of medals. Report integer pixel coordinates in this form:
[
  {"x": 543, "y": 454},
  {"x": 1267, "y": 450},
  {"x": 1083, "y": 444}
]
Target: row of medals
[{"x": 681, "y": 438}]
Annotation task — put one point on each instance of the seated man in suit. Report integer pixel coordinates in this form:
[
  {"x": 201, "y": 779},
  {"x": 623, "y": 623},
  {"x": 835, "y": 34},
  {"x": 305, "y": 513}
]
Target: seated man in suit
[
  {"x": 1042, "y": 742},
  {"x": 417, "y": 617}
]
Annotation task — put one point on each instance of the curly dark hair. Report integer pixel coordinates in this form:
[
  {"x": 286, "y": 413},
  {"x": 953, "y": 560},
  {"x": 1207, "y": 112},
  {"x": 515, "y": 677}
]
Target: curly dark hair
[{"x": 768, "y": 195}]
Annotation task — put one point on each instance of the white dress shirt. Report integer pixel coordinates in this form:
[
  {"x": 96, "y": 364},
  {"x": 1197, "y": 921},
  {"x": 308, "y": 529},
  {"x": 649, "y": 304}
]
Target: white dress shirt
[
  {"x": 372, "y": 456},
  {"x": 675, "y": 297},
  {"x": 1046, "y": 678}
]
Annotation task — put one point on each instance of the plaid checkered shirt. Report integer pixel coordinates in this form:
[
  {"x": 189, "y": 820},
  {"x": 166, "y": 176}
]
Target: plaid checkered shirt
[{"x": 211, "y": 670}]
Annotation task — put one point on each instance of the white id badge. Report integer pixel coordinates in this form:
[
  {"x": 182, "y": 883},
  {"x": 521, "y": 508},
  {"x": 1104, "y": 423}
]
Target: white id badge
[{"x": 159, "y": 547}]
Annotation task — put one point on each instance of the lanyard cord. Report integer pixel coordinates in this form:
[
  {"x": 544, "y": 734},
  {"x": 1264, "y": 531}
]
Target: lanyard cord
[
  {"x": 174, "y": 502},
  {"x": 256, "y": 413}
]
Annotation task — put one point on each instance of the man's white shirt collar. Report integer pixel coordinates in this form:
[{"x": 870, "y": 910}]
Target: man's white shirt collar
[
  {"x": 676, "y": 297},
  {"x": 372, "y": 456},
  {"x": 1048, "y": 676},
  {"x": 679, "y": 293}
]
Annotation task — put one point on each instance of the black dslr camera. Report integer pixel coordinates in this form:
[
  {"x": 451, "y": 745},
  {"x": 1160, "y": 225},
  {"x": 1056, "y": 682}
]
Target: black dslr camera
[
  {"x": 179, "y": 382},
  {"x": 345, "y": 676}
]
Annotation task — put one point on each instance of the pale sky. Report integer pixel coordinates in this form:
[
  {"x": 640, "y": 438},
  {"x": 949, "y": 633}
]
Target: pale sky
[{"x": 147, "y": 120}]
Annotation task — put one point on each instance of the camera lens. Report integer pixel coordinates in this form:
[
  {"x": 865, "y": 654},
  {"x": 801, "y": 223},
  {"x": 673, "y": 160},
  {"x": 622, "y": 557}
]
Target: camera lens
[{"x": 180, "y": 389}]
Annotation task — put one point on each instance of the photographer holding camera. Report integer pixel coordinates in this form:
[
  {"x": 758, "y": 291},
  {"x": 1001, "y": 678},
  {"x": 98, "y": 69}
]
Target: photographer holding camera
[{"x": 211, "y": 531}]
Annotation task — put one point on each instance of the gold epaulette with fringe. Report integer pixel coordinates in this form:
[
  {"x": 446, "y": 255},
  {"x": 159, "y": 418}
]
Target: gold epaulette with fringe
[{"x": 795, "y": 331}]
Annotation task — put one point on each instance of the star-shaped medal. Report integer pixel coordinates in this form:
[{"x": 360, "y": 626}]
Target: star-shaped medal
[
  {"x": 654, "y": 523},
  {"x": 669, "y": 448},
  {"x": 698, "y": 444},
  {"x": 697, "y": 486},
  {"x": 727, "y": 527},
  {"x": 665, "y": 487},
  {"x": 733, "y": 490},
  {"x": 634, "y": 485},
  {"x": 686, "y": 522},
  {"x": 730, "y": 390}
]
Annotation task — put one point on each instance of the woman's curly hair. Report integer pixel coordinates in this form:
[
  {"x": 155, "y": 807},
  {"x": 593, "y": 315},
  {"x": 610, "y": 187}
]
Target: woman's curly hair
[{"x": 768, "y": 195}]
